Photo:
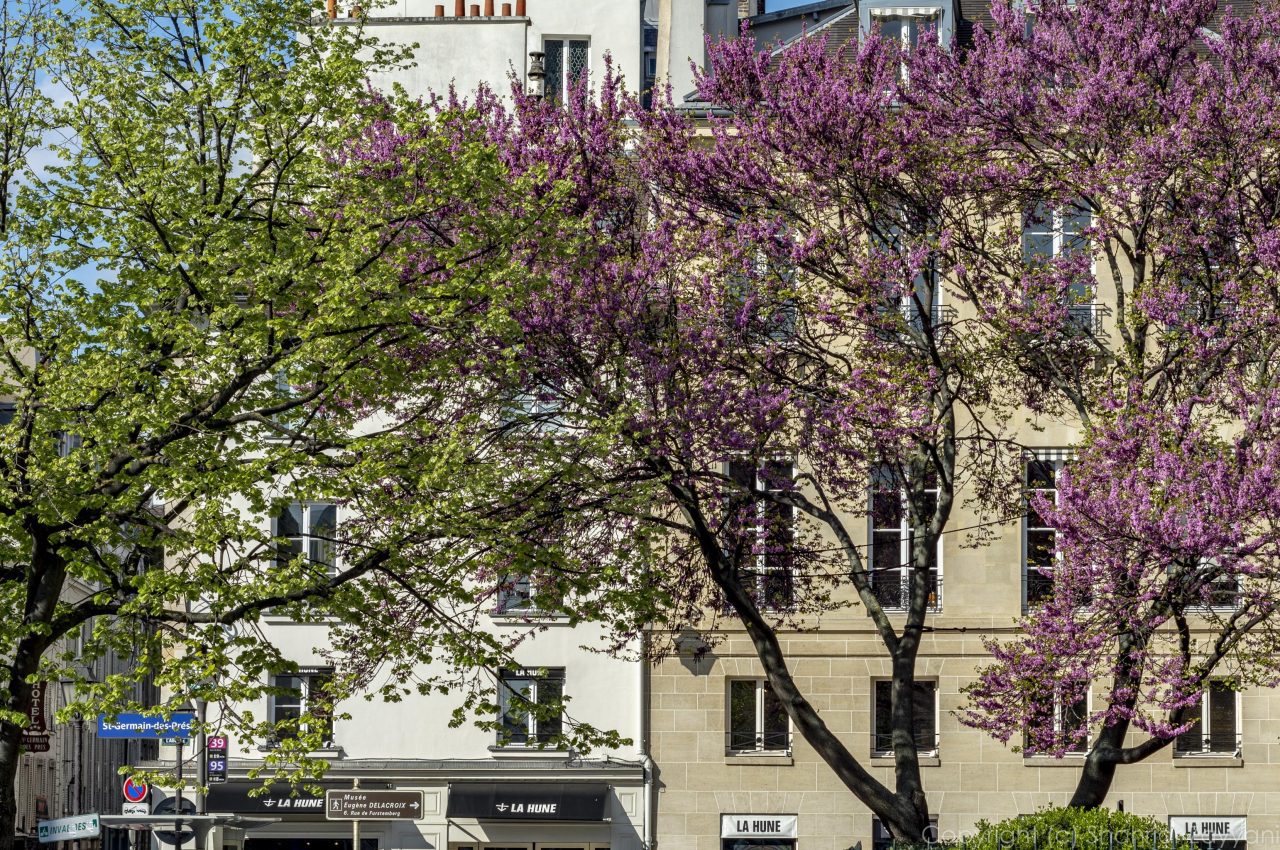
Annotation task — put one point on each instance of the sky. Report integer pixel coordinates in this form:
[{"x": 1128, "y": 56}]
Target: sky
[{"x": 779, "y": 5}]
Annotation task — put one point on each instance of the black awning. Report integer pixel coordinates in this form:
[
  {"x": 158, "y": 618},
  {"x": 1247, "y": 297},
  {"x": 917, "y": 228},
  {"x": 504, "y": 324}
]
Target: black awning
[{"x": 583, "y": 801}]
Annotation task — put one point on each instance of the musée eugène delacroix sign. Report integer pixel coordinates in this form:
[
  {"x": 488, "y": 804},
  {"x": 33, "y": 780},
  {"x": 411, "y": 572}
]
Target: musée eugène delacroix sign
[
  {"x": 578, "y": 801},
  {"x": 133, "y": 725}
]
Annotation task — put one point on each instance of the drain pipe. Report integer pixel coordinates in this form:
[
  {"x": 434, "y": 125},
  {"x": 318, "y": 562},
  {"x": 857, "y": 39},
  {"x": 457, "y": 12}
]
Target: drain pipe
[{"x": 646, "y": 763}]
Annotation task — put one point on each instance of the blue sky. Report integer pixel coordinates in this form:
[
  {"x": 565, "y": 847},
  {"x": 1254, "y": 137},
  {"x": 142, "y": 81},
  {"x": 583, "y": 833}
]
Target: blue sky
[{"x": 779, "y": 5}]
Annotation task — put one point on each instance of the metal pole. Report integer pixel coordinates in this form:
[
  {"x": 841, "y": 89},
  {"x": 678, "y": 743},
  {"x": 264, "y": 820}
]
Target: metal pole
[
  {"x": 177, "y": 801},
  {"x": 202, "y": 757},
  {"x": 355, "y": 824}
]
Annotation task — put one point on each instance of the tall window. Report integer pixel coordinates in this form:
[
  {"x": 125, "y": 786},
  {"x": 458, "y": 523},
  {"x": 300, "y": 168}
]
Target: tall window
[
  {"x": 527, "y": 703},
  {"x": 924, "y": 700},
  {"x": 891, "y": 543},
  {"x": 1215, "y": 727},
  {"x": 772, "y": 580},
  {"x": 1049, "y": 232},
  {"x": 1069, "y": 715},
  {"x": 925, "y": 296},
  {"x": 303, "y": 695},
  {"x": 904, "y": 30},
  {"x": 1039, "y": 539},
  {"x": 308, "y": 529},
  {"x": 567, "y": 62},
  {"x": 757, "y": 721}
]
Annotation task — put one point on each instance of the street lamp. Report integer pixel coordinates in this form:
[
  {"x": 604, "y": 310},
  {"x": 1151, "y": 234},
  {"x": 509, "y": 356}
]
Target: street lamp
[{"x": 537, "y": 74}]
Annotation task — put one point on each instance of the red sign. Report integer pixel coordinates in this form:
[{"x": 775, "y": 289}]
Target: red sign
[
  {"x": 135, "y": 791},
  {"x": 217, "y": 743}
]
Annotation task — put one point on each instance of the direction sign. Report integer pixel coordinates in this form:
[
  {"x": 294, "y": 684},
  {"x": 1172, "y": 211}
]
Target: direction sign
[
  {"x": 65, "y": 829},
  {"x": 135, "y": 791},
  {"x": 133, "y": 725},
  {"x": 355, "y": 804}
]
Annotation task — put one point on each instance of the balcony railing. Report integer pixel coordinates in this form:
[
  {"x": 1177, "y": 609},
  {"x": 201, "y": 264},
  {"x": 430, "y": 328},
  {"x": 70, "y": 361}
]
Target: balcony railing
[
  {"x": 893, "y": 590},
  {"x": 1087, "y": 318},
  {"x": 926, "y": 743}
]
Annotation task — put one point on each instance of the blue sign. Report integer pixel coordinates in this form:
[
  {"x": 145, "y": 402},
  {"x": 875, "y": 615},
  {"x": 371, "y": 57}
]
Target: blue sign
[{"x": 146, "y": 725}]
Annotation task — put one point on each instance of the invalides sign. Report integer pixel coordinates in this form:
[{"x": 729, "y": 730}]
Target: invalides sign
[{"x": 758, "y": 826}]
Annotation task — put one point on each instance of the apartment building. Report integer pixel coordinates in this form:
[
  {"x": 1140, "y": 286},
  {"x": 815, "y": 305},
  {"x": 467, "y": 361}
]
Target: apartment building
[
  {"x": 732, "y": 773},
  {"x": 480, "y": 790}
]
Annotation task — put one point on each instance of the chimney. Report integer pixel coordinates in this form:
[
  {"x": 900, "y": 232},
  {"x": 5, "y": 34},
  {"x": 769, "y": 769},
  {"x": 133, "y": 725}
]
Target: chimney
[
  {"x": 332, "y": 8},
  {"x": 520, "y": 10},
  {"x": 459, "y": 9},
  {"x": 506, "y": 10},
  {"x": 439, "y": 10},
  {"x": 488, "y": 8},
  {"x": 475, "y": 10}
]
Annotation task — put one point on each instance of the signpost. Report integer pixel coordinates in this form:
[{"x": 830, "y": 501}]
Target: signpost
[
  {"x": 372, "y": 805},
  {"x": 66, "y": 829}
]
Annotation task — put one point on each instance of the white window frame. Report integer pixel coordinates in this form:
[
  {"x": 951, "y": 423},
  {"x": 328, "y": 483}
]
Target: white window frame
[
  {"x": 562, "y": 86},
  {"x": 306, "y": 538},
  {"x": 923, "y": 752},
  {"x": 1205, "y": 750},
  {"x": 1058, "y": 463},
  {"x": 762, "y": 567},
  {"x": 761, "y": 691},
  {"x": 905, "y": 543},
  {"x": 923, "y": 17},
  {"x": 308, "y": 678},
  {"x": 536, "y": 676},
  {"x": 1059, "y": 724}
]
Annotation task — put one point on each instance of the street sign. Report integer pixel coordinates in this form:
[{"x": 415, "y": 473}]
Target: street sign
[
  {"x": 135, "y": 809},
  {"x": 217, "y": 743},
  {"x": 132, "y": 725},
  {"x": 135, "y": 791},
  {"x": 355, "y": 804},
  {"x": 215, "y": 768},
  {"x": 65, "y": 829},
  {"x": 166, "y": 807}
]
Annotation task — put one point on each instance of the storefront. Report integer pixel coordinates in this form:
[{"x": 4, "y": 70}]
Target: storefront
[
  {"x": 530, "y": 816},
  {"x": 758, "y": 832},
  {"x": 1221, "y": 832},
  {"x": 302, "y": 824}
]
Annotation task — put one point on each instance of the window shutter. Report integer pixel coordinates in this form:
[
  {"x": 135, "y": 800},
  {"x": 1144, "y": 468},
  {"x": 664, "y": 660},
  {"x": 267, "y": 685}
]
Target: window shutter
[{"x": 1222, "y": 718}]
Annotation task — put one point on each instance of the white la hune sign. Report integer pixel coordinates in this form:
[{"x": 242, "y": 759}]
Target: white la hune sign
[
  {"x": 758, "y": 826},
  {"x": 1206, "y": 827}
]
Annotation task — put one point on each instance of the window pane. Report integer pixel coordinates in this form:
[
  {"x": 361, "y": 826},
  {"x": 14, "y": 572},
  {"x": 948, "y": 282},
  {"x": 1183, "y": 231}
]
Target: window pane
[
  {"x": 514, "y": 594},
  {"x": 1040, "y": 475},
  {"x": 923, "y": 706},
  {"x": 513, "y": 694},
  {"x": 289, "y": 523},
  {"x": 324, "y": 528},
  {"x": 891, "y": 28},
  {"x": 1074, "y": 223},
  {"x": 883, "y": 709},
  {"x": 742, "y": 715},
  {"x": 1040, "y": 546},
  {"x": 1037, "y": 234},
  {"x": 577, "y": 61},
  {"x": 1222, "y": 718},
  {"x": 1191, "y": 740},
  {"x": 1075, "y": 717},
  {"x": 776, "y": 725},
  {"x": 550, "y": 690},
  {"x": 554, "y": 67}
]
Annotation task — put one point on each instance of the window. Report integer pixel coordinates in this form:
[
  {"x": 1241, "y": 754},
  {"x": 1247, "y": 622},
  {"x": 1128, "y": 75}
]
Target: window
[
  {"x": 519, "y": 594},
  {"x": 303, "y": 695},
  {"x": 1049, "y": 232},
  {"x": 528, "y": 703},
  {"x": 308, "y": 529},
  {"x": 757, "y": 721},
  {"x": 1039, "y": 539},
  {"x": 891, "y": 239},
  {"x": 1216, "y": 588},
  {"x": 567, "y": 62},
  {"x": 772, "y": 581},
  {"x": 1069, "y": 716},
  {"x": 891, "y": 542},
  {"x": 1215, "y": 731},
  {"x": 924, "y": 714},
  {"x": 905, "y": 30},
  {"x": 882, "y": 838},
  {"x": 8, "y": 410}
]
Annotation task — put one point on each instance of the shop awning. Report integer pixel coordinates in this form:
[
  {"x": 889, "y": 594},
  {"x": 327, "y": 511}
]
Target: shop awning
[{"x": 508, "y": 801}]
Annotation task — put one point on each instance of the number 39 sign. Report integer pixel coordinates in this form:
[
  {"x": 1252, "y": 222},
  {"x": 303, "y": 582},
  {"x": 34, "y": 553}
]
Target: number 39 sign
[{"x": 215, "y": 763}]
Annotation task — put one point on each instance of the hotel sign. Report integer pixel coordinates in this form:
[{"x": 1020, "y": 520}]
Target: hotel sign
[{"x": 758, "y": 826}]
